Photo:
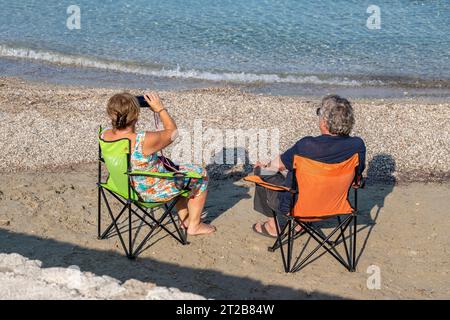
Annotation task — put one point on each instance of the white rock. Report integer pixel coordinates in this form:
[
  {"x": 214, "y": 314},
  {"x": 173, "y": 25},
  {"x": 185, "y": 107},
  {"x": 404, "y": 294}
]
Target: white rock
[{"x": 21, "y": 278}]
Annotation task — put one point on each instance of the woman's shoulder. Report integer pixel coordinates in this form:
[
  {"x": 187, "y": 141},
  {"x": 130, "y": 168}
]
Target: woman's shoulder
[
  {"x": 110, "y": 135},
  {"x": 106, "y": 134}
]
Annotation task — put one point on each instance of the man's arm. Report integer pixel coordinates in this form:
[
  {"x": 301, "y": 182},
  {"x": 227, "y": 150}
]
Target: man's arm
[
  {"x": 272, "y": 167},
  {"x": 362, "y": 158}
]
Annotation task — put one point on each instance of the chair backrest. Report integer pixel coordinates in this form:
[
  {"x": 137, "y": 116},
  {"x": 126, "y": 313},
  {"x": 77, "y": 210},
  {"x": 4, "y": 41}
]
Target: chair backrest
[
  {"x": 116, "y": 157},
  {"x": 323, "y": 188}
]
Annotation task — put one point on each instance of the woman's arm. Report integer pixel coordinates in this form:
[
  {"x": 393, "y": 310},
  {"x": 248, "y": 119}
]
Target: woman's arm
[{"x": 158, "y": 140}]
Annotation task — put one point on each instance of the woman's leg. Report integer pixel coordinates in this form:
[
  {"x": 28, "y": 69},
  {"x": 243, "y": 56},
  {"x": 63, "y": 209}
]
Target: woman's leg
[
  {"x": 195, "y": 208},
  {"x": 182, "y": 210},
  {"x": 191, "y": 210}
]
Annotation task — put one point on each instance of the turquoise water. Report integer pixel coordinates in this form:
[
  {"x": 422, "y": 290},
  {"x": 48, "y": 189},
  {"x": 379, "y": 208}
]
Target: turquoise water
[{"x": 253, "y": 41}]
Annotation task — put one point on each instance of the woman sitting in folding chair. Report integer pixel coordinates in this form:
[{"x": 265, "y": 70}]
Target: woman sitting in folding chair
[
  {"x": 123, "y": 110},
  {"x": 334, "y": 145}
]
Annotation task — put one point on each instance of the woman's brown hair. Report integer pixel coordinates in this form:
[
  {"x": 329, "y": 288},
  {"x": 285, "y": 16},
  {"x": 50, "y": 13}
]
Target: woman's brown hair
[{"x": 123, "y": 110}]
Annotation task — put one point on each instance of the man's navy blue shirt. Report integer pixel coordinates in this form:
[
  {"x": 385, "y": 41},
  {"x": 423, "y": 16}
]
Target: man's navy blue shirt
[{"x": 324, "y": 148}]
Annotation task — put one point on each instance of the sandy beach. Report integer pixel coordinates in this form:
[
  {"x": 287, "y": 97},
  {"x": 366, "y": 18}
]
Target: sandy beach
[{"x": 48, "y": 196}]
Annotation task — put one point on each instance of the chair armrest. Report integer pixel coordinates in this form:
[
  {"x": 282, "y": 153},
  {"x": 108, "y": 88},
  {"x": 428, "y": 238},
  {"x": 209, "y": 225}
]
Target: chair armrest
[
  {"x": 166, "y": 175},
  {"x": 260, "y": 182}
]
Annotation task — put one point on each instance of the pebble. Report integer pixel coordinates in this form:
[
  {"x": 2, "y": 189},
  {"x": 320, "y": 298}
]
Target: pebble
[
  {"x": 406, "y": 140},
  {"x": 5, "y": 223}
]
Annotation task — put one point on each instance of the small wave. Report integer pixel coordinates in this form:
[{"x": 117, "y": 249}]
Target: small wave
[{"x": 88, "y": 62}]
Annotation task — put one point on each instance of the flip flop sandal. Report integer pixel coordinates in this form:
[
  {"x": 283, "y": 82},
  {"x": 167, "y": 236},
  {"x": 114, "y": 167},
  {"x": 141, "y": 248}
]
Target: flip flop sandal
[{"x": 263, "y": 232}]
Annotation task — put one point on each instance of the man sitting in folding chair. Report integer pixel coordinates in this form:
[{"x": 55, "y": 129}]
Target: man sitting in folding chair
[
  {"x": 333, "y": 150},
  {"x": 152, "y": 180}
]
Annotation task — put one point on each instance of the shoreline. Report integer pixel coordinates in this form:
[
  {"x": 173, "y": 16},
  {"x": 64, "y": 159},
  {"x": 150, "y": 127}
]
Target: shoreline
[{"x": 384, "y": 87}]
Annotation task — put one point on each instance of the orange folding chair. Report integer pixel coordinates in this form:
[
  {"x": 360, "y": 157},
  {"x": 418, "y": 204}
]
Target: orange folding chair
[{"x": 319, "y": 192}]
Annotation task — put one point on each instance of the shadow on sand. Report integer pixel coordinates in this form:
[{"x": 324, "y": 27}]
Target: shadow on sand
[
  {"x": 224, "y": 192},
  {"x": 208, "y": 283},
  {"x": 380, "y": 183}
]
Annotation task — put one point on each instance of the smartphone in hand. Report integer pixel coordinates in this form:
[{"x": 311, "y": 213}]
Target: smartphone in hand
[{"x": 142, "y": 102}]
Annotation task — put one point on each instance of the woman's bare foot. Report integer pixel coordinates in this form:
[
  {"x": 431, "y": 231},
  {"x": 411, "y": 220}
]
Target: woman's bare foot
[{"x": 200, "y": 229}]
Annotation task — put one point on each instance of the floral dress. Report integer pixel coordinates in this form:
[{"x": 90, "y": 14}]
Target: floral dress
[{"x": 151, "y": 189}]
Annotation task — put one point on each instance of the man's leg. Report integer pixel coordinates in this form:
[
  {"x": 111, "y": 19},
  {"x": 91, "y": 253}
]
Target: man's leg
[
  {"x": 260, "y": 201},
  {"x": 265, "y": 202}
]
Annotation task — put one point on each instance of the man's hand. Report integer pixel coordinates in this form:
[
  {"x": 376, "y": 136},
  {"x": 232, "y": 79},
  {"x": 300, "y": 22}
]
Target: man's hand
[
  {"x": 260, "y": 164},
  {"x": 274, "y": 166}
]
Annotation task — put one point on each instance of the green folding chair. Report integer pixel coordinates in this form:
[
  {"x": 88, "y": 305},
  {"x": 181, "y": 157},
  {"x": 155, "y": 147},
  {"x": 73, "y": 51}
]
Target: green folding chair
[{"x": 115, "y": 155}]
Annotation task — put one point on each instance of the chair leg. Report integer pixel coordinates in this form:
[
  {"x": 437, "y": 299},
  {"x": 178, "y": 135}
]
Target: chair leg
[
  {"x": 290, "y": 244},
  {"x": 279, "y": 242},
  {"x": 159, "y": 223},
  {"x": 130, "y": 239},
  {"x": 276, "y": 245},
  {"x": 322, "y": 244},
  {"x": 99, "y": 213},
  {"x": 347, "y": 254},
  {"x": 114, "y": 222},
  {"x": 108, "y": 229},
  {"x": 182, "y": 235},
  {"x": 155, "y": 223},
  {"x": 353, "y": 269}
]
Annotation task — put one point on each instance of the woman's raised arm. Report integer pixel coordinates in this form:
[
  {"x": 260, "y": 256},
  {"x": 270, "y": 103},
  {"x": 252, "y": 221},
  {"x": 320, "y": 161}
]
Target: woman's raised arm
[{"x": 158, "y": 140}]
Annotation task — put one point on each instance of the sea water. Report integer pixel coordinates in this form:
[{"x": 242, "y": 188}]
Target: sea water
[{"x": 278, "y": 43}]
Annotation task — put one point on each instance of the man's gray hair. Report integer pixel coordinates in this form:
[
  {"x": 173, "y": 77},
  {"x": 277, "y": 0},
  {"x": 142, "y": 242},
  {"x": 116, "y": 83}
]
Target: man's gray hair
[{"x": 338, "y": 115}]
